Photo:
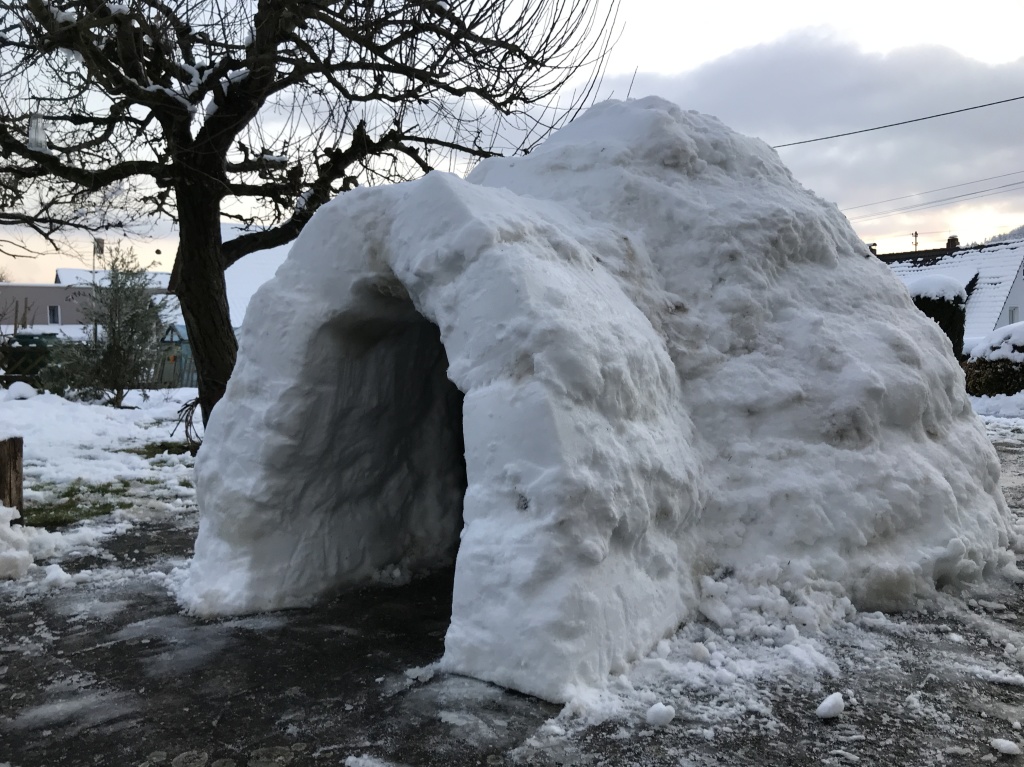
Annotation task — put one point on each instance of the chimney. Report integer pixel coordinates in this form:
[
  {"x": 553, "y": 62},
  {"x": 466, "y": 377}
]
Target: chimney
[
  {"x": 873, "y": 247},
  {"x": 953, "y": 243}
]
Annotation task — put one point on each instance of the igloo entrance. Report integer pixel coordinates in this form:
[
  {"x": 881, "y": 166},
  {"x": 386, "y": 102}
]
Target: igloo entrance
[
  {"x": 398, "y": 468},
  {"x": 358, "y": 471}
]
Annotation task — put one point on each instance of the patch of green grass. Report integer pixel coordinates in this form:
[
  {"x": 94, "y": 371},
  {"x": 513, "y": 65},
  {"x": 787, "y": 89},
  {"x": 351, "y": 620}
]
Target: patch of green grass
[
  {"x": 74, "y": 503},
  {"x": 153, "y": 449}
]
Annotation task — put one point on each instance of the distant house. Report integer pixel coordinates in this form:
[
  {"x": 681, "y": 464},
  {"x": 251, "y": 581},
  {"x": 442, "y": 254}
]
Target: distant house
[
  {"x": 41, "y": 307},
  {"x": 56, "y": 307},
  {"x": 992, "y": 275}
]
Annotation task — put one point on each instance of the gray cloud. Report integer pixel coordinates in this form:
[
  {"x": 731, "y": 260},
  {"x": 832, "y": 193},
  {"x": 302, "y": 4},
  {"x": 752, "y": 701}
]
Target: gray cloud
[{"x": 809, "y": 85}]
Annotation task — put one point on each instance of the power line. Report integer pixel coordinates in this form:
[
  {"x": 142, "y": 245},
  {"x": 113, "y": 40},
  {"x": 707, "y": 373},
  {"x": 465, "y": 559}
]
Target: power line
[
  {"x": 1005, "y": 188},
  {"x": 932, "y": 191},
  {"x": 904, "y": 122},
  {"x": 936, "y": 203}
]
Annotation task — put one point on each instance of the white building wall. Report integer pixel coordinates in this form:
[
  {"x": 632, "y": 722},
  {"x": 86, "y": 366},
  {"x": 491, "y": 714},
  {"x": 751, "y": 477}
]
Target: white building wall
[{"x": 1013, "y": 309}]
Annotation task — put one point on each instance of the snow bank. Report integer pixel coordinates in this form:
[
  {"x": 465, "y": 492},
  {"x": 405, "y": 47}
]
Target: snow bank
[
  {"x": 940, "y": 287},
  {"x": 999, "y": 405},
  {"x": 663, "y": 359},
  {"x": 67, "y": 441},
  {"x": 1003, "y": 343}
]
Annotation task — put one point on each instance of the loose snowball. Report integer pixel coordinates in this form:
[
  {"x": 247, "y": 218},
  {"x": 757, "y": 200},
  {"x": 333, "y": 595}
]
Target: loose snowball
[
  {"x": 659, "y": 715},
  {"x": 831, "y": 707},
  {"x": 700, "y": 653},
  {"x": 1003, "y": 746}
]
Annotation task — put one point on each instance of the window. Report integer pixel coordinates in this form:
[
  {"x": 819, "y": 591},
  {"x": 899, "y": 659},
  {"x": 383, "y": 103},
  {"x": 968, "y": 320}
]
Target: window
[
  {"x": 1013, "y": 314},
  {"x": 53, "y": 315}
]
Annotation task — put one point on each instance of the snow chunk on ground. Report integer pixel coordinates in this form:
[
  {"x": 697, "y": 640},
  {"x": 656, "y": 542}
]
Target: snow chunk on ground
[
  {"x": 15, "y": 557},
  {"x": 56, "y": 578},
  {"x": 366, "y": 761},
  {"x": 660, "y": 715},
  {"x": 1003, "y": 746},
  {"x": 661, "y": 358},
  {"x": 831, "y": 707}
]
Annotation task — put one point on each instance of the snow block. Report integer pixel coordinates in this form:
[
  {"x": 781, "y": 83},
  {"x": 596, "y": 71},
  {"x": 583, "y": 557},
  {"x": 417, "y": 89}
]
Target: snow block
[{"x": 592, "y": 376}]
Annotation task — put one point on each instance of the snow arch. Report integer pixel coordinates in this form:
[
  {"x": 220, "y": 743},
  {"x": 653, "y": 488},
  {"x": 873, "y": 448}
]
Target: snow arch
[
  {"x": 336, "y": 439},
  {"x": 673, "y": 359}
]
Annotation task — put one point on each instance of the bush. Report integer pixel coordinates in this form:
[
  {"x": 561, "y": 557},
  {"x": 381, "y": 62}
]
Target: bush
[
  {"x": 950, "y": 316},
  {"x": 996, "y": 365},
  {"x": 121, "y": 355},
  {"x": 72, "y": 370},
  {"x": 986, "y": 378}
]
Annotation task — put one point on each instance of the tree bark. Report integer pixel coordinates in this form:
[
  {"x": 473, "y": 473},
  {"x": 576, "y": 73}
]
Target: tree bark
[
  {"x": 198, "y": 281},
  {"x": 11, "y": 474}
]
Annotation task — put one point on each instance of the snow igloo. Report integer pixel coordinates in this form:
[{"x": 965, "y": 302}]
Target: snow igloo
[{"x": 593, "y": 376}]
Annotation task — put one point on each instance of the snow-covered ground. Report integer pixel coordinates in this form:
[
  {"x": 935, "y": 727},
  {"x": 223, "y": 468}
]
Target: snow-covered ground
[
  {"x": 100, "y": 454},
  {"x": 754, "y": 680}
]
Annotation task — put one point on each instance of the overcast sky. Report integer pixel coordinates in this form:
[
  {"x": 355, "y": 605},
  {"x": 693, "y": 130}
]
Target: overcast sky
[
  {"x": 789, "y": 71},
  {"x": 794, "y": 69}
]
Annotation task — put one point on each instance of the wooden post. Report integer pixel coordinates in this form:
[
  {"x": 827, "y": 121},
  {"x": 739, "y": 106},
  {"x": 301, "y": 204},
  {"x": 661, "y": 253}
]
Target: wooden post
[{"x": 11, "y": 476}]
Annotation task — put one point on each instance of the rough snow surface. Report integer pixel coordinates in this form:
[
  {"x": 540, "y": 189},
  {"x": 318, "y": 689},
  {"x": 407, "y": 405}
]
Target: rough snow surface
[
  {"x": 831, "y": 707},
  {"x": 937, "y": 286},
  {"x": 683, "y": 389},
  {"x": 88, "y": 446},
  {"x": 1003, "y": 343}
]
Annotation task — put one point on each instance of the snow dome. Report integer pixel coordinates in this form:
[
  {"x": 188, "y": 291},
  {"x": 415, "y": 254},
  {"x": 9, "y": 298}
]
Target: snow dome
[{"x": 594, "y": 376}]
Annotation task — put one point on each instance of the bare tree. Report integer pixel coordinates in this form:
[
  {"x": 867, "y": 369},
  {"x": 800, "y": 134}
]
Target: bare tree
[{"x": 259, "y": 111}]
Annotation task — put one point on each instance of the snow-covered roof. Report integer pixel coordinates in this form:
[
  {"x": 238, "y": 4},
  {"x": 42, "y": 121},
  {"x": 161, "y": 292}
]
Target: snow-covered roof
[
  {"x": 87, "y": 277},
  {"x": 64, "y": 331},
  {"x": 995, "y": 265}
]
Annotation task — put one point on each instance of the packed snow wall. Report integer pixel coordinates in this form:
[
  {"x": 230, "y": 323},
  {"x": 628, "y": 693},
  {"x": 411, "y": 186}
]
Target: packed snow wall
[{"x": 674, "y": 359}]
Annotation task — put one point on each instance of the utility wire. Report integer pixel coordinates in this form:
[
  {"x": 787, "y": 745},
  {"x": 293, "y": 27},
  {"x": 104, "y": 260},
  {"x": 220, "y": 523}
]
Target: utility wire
[
  {"x": 1016, "y": 186},
  {"x": 932, "y": 191},
  {"x": 904, "y": 122}
]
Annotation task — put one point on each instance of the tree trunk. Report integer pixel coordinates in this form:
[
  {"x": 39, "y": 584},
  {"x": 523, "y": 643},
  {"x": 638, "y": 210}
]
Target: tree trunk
[
  {"x": 198, "y": 281},
  {"x": 11, "y": 474}
]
